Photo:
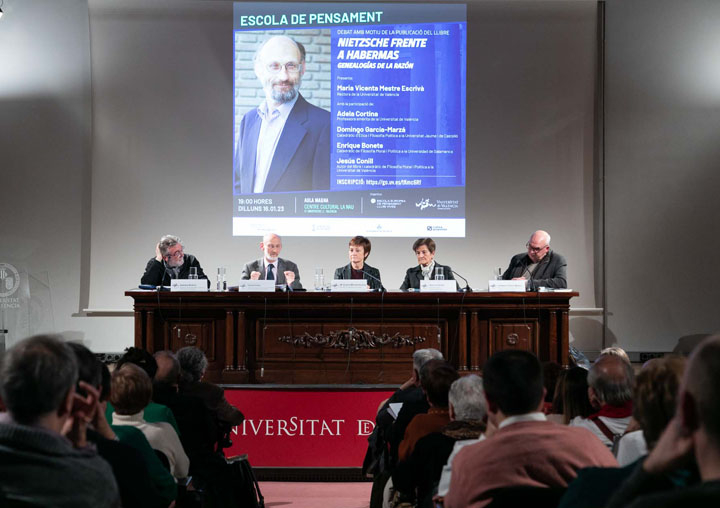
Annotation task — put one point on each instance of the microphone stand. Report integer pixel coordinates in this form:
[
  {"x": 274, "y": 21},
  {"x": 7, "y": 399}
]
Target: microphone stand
[
  {"x": 467, "y": 287},
  {"x": 382, "y": 288}
]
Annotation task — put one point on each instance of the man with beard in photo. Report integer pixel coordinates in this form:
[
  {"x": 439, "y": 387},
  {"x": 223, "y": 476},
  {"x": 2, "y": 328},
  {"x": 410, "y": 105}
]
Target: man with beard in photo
[{"x": 284, "y": 144}]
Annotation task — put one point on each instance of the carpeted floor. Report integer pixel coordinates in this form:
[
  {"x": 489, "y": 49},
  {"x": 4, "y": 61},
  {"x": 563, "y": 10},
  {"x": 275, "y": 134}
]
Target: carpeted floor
[{"x": 316, "y": 495}]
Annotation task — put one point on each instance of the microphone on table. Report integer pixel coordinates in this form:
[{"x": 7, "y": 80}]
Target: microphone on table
[
  {"x": 382, "y": 288},
  {"x": 467, "y": 287},
  {"x": 165, "y": 272}
]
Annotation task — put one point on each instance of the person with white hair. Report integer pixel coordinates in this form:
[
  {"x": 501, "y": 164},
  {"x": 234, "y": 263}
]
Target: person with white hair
[
  {"x": 272, "y": 266},
  {"x": 193, "y": 365},
  {"x": 540, "y": 266},
  {"x": 610, "y": 384}
]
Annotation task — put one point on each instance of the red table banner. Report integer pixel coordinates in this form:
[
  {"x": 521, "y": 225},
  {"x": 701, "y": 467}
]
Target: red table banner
[{"x": 304, "y": 428}]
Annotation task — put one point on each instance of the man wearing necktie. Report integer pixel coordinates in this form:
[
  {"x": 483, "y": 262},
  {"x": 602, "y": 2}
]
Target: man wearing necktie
[{"x": 271, "y": 266}]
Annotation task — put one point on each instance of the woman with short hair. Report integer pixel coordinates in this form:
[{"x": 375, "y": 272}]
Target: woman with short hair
[
  {"x": 358, "y": 252},
  {"x": 427, "y": 268}
]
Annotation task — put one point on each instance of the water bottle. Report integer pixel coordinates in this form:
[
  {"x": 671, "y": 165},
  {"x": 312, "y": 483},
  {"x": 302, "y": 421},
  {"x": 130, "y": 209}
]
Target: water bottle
[
  {"x": 319, "y": 279},
  {"x": 439, "y": 273},
  {"x": 221, "y": 282}
]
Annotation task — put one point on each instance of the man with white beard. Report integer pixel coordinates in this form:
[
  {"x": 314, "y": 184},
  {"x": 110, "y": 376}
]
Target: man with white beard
[
  {"x": 272, "y": 266},
  {"x": 283, "y": 144}
]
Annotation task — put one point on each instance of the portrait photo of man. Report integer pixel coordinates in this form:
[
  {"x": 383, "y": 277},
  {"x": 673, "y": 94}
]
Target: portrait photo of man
[{"x": 282, "y": 144}]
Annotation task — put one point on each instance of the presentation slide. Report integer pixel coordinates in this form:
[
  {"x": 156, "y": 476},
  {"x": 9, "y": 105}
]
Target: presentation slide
[{"x": 349, "y": 119}]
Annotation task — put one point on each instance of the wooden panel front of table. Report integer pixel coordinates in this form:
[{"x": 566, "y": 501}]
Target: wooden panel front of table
[{"x": 347, "y": 338}]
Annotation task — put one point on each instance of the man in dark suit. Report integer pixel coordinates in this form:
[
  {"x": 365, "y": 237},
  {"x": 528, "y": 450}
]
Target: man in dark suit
[
  {"x": 427, "y": 268},
  {"x": 284, "y": 144},
  {"x": 540, "y": 266},
  {"x": 272, "y": 266},
  {"x": 170, "y": 262}
]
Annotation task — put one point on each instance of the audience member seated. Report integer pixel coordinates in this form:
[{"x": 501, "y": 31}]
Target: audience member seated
[
  {"x": 410, "y": 394},
  {"x": 436, "y": 377},
  {"x": 154, "y": 412},
  {"x": 45, "y": 459},
  {"x": 385, "y": 438},
  {"x": 193, "y": 365},
  {"x": 418, "y": 477},
  {"x": 407, "y": 413},
  {"x": 158, "y": 474},
  {"x": 610, "y": 382},
  {"x": 131, "y": 472},
  {"x": 526, "y": 450},
  {"x": 571, "y": 397},
  {"x": 691, "y": 437},
  {"x": 199, "y": 432},
  {"x": 615, "y": 351},
  {"x": 551, "y": 374},
  {"x": 130, "y": 394},
  {"x": 654, "y": 396}
]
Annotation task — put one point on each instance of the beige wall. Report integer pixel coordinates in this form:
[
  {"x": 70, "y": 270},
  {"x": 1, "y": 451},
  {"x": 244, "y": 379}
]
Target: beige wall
[{"x": 129, "y": 136}]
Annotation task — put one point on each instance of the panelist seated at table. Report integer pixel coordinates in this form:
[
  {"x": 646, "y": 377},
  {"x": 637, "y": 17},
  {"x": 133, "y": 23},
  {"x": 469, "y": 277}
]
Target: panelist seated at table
[
  {"x": 272, "y": 266},
  {"x": 427, "y": 268},
  {"x": 539, "y": 266},
  {"x": 357, "y": 268},
  {"x": 170, "y": 262}
]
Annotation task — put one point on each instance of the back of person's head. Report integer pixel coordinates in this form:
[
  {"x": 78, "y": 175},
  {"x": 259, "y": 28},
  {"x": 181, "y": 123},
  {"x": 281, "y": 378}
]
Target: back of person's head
[
  {"x": 513, "y": 382},
  {"x": 467, "y": 398},
  {"x": 422, "y": 356},
  {"x": 551, "y": 373},
  {"x": 574, "y": 394},
  {"x": 655, "y": 395},
  {"x": 168, "y": 370},
  {"x": 193, "y": 364},
  {"x": 436, "y": 377},
  {"x": 131, "y": 389},
  {"x": 105, "y": 384},
  {"x": 611, "y": 379},
  {"x": 614, "y": 351},
  {"x": 36, "y": 375},
  {"x": 703, "y": 384},
  {"x": 558, "y": 391},
  {"x": 141, "y": 358},
  {"x": 89, "y": 367}
]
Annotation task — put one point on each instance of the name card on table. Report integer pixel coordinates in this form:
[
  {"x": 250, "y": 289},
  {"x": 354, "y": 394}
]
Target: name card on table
[
  {"x": 350, "y": 285},
  {"x": 438, "y": 286},
  {"x": 506, "y": 286},
  {"x": 264, "y": 286},
  {"x": 188, "y": 285}
]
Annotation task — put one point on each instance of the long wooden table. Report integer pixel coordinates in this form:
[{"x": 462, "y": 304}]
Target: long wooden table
[{"x": 347, "y": 338}]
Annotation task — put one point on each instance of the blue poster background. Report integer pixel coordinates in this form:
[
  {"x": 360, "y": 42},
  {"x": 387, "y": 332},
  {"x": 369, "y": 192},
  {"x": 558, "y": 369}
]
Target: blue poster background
[{"x": 417, "y": 137}]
